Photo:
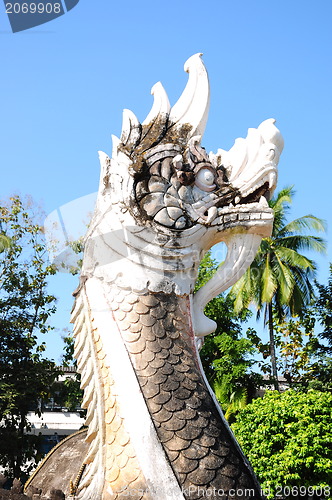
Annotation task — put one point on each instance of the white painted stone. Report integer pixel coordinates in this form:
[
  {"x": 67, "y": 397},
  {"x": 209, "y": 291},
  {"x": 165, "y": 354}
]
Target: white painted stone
[
  {"x": 193, "y": 105},
  {"x": 161, "y": 103}
]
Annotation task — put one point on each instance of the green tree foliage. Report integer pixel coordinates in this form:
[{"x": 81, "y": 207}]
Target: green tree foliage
[
  {"x": 305, "y": 343},
  {"x": 4, "y": 242},
  {"x": 324, "y": 309},
  {"x": 25, "y": 308},
  {"x": 68, "y": 393},
  {"x": 226, "y": 355},
  {"x": 296, "y": 339},
  {"x": 280, "y": 279},
  {"x": 287, "y": 438},
  {"x": 321, "y": 369}
]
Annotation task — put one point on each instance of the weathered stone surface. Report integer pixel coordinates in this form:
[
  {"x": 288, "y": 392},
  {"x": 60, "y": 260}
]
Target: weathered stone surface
[
  {"x": 57, "y": 494},
  {"x": 10, "y": 495},
  {"x": 17, "y": 486},
  {"x": 59, "y": 467}
]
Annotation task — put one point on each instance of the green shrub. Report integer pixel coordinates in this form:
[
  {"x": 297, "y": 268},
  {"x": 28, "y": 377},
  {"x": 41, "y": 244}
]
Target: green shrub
[{"x": 287, "y": 438}]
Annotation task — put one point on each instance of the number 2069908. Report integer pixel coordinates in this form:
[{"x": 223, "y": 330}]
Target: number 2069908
[{"x": 33, "y": 8}]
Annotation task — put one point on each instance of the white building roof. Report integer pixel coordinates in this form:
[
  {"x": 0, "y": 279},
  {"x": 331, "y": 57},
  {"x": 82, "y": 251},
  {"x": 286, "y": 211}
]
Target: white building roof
[{"x": 62, "y": 422}]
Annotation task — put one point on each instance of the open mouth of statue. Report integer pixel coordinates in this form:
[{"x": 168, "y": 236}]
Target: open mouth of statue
[
  {"x": 251, "y": 196},
  {"x": 240, "y": 205},
  {"x": 255, "y": 196}
]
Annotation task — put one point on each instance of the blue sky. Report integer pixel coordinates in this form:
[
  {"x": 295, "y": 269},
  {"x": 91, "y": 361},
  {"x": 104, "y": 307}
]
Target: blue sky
[{"x": 64, "y": 85}]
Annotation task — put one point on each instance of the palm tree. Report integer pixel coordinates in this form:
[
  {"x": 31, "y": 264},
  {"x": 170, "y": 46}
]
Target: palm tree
[{"x": 279, "y": 281}]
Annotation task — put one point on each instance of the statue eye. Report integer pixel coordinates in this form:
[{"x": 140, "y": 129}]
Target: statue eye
[{"x": 205, "y": 179}]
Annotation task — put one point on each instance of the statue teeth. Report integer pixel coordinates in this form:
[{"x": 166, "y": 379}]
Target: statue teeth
[
  {"x": 263, "y": 201},
  {"x": 212, "y": 213},
  {"x": 272, "y": 179},
  {"x": 237, "y": 199}
]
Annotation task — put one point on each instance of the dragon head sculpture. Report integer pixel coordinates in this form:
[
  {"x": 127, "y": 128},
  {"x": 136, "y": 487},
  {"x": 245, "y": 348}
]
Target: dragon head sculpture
[{"x": 163, "y": 201}]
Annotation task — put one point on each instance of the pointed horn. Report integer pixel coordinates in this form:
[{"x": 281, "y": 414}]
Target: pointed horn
[
  {"x": 115, "y": 145},
  {"x": 105, "y": 162},
  {"x": 193, "y": 106},
  {"x": 131, "y": 129},
  {"x": 161, "y": 105}
]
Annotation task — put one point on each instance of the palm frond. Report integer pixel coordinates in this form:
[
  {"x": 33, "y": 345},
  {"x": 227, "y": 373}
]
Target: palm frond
[
  {"x": 243, "y": 291},
  {"x": 285, "y": 278},
  {"x": 307, "y": 222},
  {"x": 294, "y": 259},
  {"x": 268, "y": 284},
  {"x": 304, "y": 279},
  {"x": 237, "y": 401},
  {"x": 281, "y": 204},
  {"x": 283, "y": 198},
  {"x": 302, "y": 295},
  {"x": 302, "y": 242},
  {"x": 237, "y": 292}
]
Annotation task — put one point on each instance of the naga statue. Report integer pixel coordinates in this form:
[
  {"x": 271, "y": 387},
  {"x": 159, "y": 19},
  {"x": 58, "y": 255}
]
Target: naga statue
[{"x": 155, "y": 428}]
